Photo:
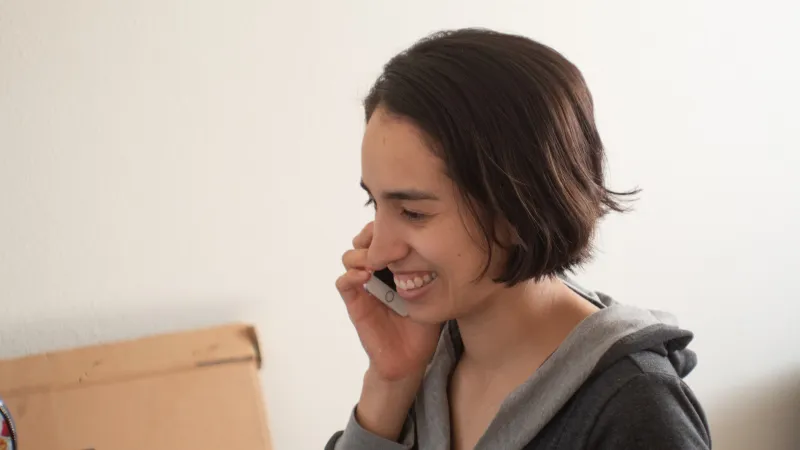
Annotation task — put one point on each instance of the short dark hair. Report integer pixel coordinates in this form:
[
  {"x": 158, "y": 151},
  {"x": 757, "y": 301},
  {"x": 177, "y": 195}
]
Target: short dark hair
[{"x": 513, "y": 121}]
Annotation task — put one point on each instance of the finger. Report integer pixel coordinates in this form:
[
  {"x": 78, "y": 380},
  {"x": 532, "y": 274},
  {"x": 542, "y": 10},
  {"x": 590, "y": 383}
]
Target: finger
[
  {"x": 351, "y": 284},
  {"x": 364, "y": 238},
  {"x": 355, "y": 259}
]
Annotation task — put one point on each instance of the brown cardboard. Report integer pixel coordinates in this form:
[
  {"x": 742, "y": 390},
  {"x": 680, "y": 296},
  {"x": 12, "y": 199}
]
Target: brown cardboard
[{"x": 196, "y": 390}]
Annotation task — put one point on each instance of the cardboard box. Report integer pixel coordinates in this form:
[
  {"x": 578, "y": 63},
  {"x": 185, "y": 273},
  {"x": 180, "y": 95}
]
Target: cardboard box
[{"x": 195, "y": 390}]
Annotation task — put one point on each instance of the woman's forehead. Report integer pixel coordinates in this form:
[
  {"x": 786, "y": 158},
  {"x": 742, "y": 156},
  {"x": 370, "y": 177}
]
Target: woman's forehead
[{"x": 394, "y": 152}]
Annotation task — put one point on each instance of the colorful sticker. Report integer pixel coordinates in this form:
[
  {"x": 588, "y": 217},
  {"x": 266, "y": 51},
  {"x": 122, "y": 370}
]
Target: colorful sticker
[{"x": 6, "y": 442}]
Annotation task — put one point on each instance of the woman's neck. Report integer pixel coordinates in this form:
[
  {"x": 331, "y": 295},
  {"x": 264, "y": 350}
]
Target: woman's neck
[{"x": 521, "y": 324}]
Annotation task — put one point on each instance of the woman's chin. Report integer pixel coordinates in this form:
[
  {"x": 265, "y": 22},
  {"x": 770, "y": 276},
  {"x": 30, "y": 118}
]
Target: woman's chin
[{"x": 427, "y": 314}]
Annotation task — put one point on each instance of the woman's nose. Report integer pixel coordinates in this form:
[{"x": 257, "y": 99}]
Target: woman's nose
[{"x": 386, "y": 247}]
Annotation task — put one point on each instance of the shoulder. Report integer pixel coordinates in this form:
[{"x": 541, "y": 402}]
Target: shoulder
[{"x": 644, "y": 403}]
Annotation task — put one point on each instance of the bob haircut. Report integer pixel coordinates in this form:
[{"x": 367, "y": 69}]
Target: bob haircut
[{"x": 513, "y": 122}]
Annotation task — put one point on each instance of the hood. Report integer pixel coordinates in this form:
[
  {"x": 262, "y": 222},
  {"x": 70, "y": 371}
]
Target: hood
[
  {"x": 647, "y": 329},
  {"x": 662, "y": 335}
]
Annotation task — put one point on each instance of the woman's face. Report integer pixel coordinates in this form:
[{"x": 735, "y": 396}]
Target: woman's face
[{"x": 422, "y": 230}]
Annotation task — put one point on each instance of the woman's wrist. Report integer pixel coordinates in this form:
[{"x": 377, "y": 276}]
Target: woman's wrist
[{"x": 384, "y": 404}]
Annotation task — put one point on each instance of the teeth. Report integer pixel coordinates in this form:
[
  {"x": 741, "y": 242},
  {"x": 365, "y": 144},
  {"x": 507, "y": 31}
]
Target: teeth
[{"x": 416, "y": 282}]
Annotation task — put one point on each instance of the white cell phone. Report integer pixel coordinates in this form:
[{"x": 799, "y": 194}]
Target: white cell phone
[{"x": 381, "y": 285}]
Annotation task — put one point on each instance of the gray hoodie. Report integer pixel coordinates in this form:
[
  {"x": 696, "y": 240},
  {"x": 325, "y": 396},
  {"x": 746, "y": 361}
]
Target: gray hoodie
[{"x": 616, "y": 382}]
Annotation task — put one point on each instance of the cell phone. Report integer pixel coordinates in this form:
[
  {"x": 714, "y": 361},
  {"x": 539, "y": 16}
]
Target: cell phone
[{"x": 381, "y": 285}]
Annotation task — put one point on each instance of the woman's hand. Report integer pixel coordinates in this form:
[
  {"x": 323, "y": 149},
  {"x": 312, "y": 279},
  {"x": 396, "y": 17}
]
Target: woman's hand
[{"x": 398, "y": 348}]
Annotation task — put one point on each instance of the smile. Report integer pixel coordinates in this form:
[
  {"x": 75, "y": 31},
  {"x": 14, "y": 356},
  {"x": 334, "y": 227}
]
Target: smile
[{"x": 414, "y": 281}]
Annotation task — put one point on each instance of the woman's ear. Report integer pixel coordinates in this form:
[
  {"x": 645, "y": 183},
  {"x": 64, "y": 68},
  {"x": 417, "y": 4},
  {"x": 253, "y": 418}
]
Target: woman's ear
[{"x": 507, "y": 235}]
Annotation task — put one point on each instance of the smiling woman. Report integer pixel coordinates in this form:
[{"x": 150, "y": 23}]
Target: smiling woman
[{"x": 485, "y": 169}]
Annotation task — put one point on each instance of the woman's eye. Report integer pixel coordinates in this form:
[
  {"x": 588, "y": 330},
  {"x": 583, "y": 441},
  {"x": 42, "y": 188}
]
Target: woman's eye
[
  {"x": 413, "y": 216},
  {"x": 410, "y": 215}
]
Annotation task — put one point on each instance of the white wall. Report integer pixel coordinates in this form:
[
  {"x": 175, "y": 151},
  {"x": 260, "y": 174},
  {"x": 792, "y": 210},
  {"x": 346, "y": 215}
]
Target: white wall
[{"x": 173, "y": 164}]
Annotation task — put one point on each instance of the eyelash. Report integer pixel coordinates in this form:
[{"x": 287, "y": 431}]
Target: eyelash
[{"x": 410, "y": 215}]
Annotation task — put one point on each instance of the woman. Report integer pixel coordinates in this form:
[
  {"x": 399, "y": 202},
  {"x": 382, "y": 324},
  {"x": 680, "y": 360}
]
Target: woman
[{"x": 485, "y": 169}]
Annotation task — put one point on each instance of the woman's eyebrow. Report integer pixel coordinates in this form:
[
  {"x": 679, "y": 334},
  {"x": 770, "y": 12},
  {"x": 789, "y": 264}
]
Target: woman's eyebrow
[{"x": 403, "y": 194}]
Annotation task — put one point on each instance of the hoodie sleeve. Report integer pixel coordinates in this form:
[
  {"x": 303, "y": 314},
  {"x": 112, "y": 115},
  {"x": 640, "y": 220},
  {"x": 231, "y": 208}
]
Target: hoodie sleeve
[
  {"x": 354, "y": 437},
  {"x": 652, "y": 411}
]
